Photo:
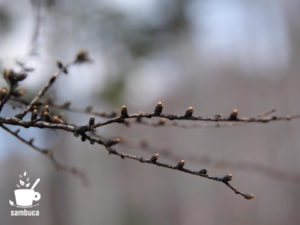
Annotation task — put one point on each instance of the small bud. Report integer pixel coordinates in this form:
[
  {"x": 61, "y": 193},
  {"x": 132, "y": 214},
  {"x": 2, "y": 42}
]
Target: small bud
[
  {"x": 110, "y": 143},
  {"x": 180, "y": 165},
  {"x": 31, "y": 141},
  {"x": 53, "y": 78},
  {"x": 158, "y": 109},
  {"x": 228, "y": 177},
  {"x": 21, "y": 77},
  {"x": 56, "y": 119},
  {"x": 233, "y": 115},
  {"x": 248, "y": 196},
  {"x": 82, "y": 56},
  {"x": 189, "y": 112},
  {"x": 162, "y": 121},
  {"x": 34, "y": 114},
  {"x": 65, "y": 70},
  {"x": 2, "y": 93},
  {"x": 8, "y": 75},
  {"x": 92, "y": 120},
  {"x": 203, "y": 171},
  {"x": 154, "y": 158},
  {"x": 46, "y": 117},
  {"x": 17, "y": 131},
  {"x": 124, "y": 113},
  {"x": 46, "y": 108},
  {"x": 18, "y": 93},
  {"x": 114, "y": 113},
  {"x": 102, "y": 113},
  {"x": 59, "y": 64},
  {"x": 12, "y": 78}
]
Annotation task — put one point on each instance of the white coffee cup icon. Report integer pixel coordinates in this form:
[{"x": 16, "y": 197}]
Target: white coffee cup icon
[{"x": 25, "y": 197}]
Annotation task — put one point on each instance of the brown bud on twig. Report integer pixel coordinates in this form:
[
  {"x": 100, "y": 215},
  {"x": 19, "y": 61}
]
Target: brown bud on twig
[
  {"x": 154, "y": 158},
  {"x": 102, "y": 113},
  {"x": 46, "y": 108},
  {"x": 158, "y": 109},
  {"x": 124, "y": 113},
  {"x": 2, "y": 93},
  {"x": 248, "y": 196},
  {"x": 92, "y": 120},
  {"x": 59, "y": 64},
  {"x": 110, "y": 143},
  {"x": 31, "y": 141},
  {"x": 53, "y": 78},
  {"x": 233, "y": 115},
  {"x": 162, "y": 121},
  {"x": 56, "y": 119},
  {"x": 13, "y": 78},
  {"x": 82, "y": 56},
  {"x": 17, "y": 131},
  {"x": 189, "y": 112},
  {"x": 227, "y": 178},
  {"x": 18, "y": 93},
  {"x": 203, "y": 171},
  {"x": 34, "y": 114},
  {"x": 21, "y": 77},
  {"x": 180, "y": 165},
  {"x": 46, "y": 117}
]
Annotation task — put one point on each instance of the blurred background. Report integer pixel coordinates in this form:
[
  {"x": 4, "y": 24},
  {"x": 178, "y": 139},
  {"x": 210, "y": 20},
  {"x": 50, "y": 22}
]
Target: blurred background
[{"x": 214, "y": 55}]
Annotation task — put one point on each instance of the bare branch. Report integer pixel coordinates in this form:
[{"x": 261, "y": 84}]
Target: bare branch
[{"x": 44, "y": 115}]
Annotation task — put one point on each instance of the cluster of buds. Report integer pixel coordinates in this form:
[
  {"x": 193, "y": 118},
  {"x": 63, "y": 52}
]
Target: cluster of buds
[
  {"x": 12, "y": 77},
  {"x": 44, "y": 113}
]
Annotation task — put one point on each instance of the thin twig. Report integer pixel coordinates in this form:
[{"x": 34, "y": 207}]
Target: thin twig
[
  {"x": 42, "y": 92},
  {"x": 49, "y": 154}
]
